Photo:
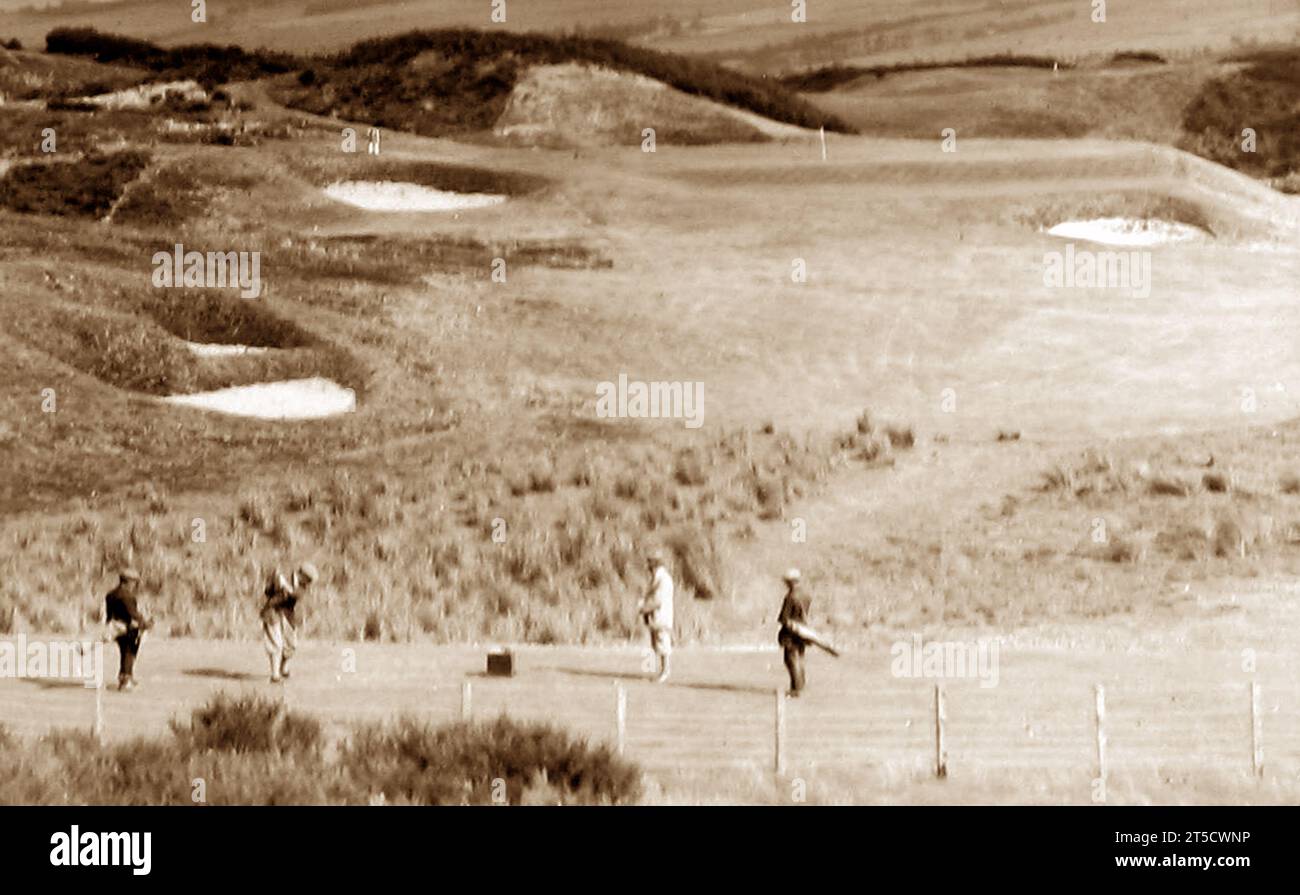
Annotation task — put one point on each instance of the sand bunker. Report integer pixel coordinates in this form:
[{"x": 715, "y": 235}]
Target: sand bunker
[
  {"x": 211, "y": 349},
  {"x": 1128, "y": 231},
  {"x": 147, "y": 95},
  {"x": 391, "y": 195},
  {"x": 296, "y": 399}
]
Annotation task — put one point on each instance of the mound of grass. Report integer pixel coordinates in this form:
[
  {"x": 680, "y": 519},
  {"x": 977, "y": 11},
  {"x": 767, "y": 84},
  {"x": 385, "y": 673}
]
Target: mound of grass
[
  {"x": 392, "y": 81},
  {"x": 825, "y": 79},
  {"x": 1262, "y": 96},
  {"x": 87, "y": 187},
  {"x": 209, "y": 316},
  {"x": 250, "y": 750},
  {"x": 455, "y": 178},
  {"x": 1140, "y": 56},
  {"x": 131, "y": 341},
  {"x": 208, "y": 64}
]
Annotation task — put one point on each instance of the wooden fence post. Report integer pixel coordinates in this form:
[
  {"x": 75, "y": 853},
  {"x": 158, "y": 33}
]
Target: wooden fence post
[
  {"x": 1100, "y": 713},
  {"x": 620, "y": 716},
  {"x": 940, "y": 742},
  {"x": 1256, "y": 733},
  {"x": 778, "y": 757},
  {"x": 98, "y": 728}
]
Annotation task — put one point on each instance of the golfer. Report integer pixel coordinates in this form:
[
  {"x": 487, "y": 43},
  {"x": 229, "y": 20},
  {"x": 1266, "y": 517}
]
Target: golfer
[
  {"x": 279, "y": 619},
  {"x": 126, "y": 624},
  {"x": 657, "y": 613},
  {"x": 794, "y": 613}
]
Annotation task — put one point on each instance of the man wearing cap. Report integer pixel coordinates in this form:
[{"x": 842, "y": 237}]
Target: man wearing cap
[
  {"x": 794, "y": 612},
  {"x": 126, "y": 624},
  {"x": 279, "y": 620},
  {"x": 657, "y": 613}
]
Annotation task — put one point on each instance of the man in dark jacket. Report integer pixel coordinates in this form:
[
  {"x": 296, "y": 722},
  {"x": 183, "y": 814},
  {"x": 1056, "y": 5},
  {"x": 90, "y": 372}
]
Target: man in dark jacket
[
  {"x": 279, "y": 617},
  {"x": 794, "y": 612},
  {"x": 126, "y": 624}
]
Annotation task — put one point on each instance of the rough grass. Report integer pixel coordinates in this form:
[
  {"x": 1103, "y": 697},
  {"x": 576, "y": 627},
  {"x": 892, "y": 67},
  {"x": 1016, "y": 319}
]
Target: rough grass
[
  {"x": 250, "y": 750},
  {"x": 86, "y": 187},
  {"x": 132, "y": 341},
  {"x": 207, "y": 63},
  {"x": 547, "y": 550},
  {"x": 1169, "y": 506},
  {"x": 1260, "y": 95},
  {"x": 821, "y": 80}
]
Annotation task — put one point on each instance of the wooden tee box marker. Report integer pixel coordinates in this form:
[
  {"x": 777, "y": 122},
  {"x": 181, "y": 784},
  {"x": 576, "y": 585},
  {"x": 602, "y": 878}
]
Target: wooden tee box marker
[{"x": 501, "y": 663}]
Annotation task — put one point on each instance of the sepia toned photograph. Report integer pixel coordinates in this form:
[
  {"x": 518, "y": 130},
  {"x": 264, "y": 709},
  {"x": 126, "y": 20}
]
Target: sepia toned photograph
[{"x": 676, "y": 403}]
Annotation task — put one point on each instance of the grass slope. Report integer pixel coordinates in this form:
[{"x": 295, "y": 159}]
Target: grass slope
[{"x": 391, "y": 81}]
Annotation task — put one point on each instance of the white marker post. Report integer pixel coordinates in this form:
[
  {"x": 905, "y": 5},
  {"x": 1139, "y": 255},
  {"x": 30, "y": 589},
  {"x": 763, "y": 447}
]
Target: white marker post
[
  {"x": 940, "y": 740},
  {"x": 823, "y": 134},
  {"x": 1256, "y": 733},
  {"x": 778, "y": 757},
  {"x": 466, "y": 701},
  {"x": 98, "y": 729},
  {"x": 1101, "y": 732},
  {"x": 620, "y": 716}
]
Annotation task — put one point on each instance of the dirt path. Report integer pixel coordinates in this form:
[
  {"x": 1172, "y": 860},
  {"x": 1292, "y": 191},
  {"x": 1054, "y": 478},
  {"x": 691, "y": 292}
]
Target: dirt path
[{"x": 931, "y": 489}]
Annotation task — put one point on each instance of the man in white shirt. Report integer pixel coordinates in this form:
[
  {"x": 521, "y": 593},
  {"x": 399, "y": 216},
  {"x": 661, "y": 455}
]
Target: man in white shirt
[{"x": 657, "y": 613}]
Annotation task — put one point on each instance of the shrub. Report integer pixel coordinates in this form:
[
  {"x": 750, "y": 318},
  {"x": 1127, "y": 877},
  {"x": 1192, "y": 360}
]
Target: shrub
[
  {"x": 1228, "y": 539},
  {"x": 373, "y": 628},
  {"x": 1169, "y": 487},
  {"x": 900, "y": 437},
  {"x": 411, "y": 761},
  {"x": 86, "y": 188},
  {"x": 248, "y": 724},
  {"x": 1215, "y": 482},
  {"x": 1262, "y": 93}
]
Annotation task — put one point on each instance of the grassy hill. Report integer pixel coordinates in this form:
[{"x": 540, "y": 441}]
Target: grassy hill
[
  {"x": 436, "y": 82},
  {"x": 755, "y": 35},
  {"x": 1200, "y": 104}
]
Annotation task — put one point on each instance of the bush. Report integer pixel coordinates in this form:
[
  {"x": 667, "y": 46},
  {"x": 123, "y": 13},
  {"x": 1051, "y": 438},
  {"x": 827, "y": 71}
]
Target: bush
[
  {"x": 207, "y": 63},
  {"x": 1260, "y": 94},
  {"x": 248, "y": 724},
  {"x": 1169, "y": 487},
  {"x": 1215, "y": 482},
  {"x": 410, "y": 761},
  {"x": 87, "y": 188},
  {"x": 823, "y": 80}
]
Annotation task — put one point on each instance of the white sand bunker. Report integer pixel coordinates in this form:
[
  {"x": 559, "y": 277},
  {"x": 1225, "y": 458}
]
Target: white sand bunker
[
  {"x": 146, "y": 95},
  {"x": 211, "y": 349},
  {"x": 1128, "y": 231},
  {"x": 392, "y": 195},
  {"x": 295, "y": 399}
]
